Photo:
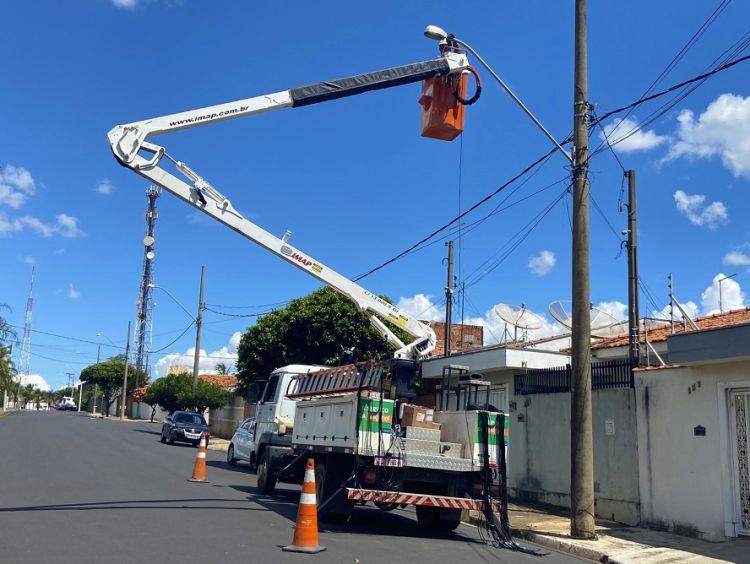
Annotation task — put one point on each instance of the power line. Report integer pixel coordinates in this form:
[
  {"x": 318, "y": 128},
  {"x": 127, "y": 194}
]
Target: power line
[
  {"x": 176, "y": 338},
  {"x": 458, "y": 217},
  {"x": 673, "y": 88}
]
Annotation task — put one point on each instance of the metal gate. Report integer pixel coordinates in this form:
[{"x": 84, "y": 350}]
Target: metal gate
[{"x": 739, "y": 406}]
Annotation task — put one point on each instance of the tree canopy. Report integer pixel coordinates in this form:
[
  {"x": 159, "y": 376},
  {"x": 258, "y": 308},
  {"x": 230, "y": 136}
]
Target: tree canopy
[
  {"x": 310, "y": 330},
  {"x": 176, "y": 392},
  {"x": 108, "y": 375},
  {"x": 7, "y": 369}
]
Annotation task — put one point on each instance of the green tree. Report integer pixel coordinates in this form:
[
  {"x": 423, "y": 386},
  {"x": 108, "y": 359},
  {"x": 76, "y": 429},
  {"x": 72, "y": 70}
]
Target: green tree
[
  {"x": 310, "y": 330},
  {"x": 176, "y": 392},
  {"x": 108, "y": 376},
  {"x": 203, "y": 396},
  {"x": 221, "y": 368},
  {"x": 7, "y": 369}
]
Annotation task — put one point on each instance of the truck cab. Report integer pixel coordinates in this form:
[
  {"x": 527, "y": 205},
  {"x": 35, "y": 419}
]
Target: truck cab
[{"x": 274, "y": 410}]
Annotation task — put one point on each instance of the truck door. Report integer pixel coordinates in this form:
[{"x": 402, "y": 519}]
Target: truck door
[{"x": 267, "y": 407}]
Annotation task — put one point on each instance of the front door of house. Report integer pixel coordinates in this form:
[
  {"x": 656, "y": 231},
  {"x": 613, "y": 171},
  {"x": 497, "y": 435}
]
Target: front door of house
[{"x": 739, "y": 406}]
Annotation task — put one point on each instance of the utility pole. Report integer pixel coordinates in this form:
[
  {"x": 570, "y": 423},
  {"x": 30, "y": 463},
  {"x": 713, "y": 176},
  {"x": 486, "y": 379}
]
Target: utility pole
[
  {"x": 80, "y": 393},
  {"x": 448, "y": 302},
  {"x": 93, "y": 408},
  {"x": 581, "y": 432},
  {"x": 198, "y": 322},
  {"x": 633, "y": 308},
  {"x": 125, "y": 376},
  {"x": 69, "y": 382}
]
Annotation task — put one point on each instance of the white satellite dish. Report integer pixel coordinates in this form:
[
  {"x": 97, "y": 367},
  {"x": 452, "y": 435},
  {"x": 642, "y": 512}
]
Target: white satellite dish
[
  {"x": 602, "y": 324},
  {"x": 150, "y": 255},
  {"x": 148, "y": 240},
  {"x": 518, "y": 317}
]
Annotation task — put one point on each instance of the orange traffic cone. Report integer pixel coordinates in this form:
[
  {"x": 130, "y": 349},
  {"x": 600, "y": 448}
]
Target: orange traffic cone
[
  {"x": 199, "y": 470},
  {"x": 306, "y": 529}
]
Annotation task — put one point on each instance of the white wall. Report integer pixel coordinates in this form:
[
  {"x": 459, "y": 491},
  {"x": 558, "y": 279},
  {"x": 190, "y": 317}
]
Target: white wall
[
  {"x": 683, "y": 478},
  {"x": 539, "y": 452}
]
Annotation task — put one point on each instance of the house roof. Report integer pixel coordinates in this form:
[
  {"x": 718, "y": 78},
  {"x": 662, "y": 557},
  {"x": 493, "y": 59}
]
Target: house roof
[
  {"x": 714, "y": 321},
  {"x": 226, "y": 381}
]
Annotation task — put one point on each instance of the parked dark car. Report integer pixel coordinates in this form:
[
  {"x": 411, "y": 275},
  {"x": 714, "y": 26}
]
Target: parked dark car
[{"x": 184, "y": 426}]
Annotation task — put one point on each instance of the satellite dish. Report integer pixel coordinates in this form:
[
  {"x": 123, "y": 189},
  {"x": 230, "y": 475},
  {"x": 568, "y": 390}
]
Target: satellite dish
[
  {"x": 148, "y": 240},
  {"x": 150, "y": 255},
  {"x": 518, "y": 317},
  {"x": 602, "y": 324}
]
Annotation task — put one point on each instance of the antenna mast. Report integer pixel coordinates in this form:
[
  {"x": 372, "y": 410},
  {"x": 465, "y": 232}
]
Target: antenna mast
[
  {"x": 26, "y": 348},
  {"x": 145, "y": 313}
]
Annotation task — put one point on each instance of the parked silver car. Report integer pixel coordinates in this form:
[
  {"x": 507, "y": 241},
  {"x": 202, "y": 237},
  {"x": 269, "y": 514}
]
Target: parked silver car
[{"x": 242, "y": 443}]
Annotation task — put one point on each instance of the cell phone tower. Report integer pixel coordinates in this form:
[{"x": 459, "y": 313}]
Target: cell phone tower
[
  {"x": 145, "y": 313},
  {"x": 25, "y": 364}
]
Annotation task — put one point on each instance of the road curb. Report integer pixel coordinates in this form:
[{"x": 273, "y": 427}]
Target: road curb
[{"x": 556, "y": 543}]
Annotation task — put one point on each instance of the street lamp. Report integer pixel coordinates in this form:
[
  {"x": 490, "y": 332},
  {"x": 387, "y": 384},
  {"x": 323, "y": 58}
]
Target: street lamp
[
  {"x": 198, "y": 319},
  {"x": 720, "y": 281}
]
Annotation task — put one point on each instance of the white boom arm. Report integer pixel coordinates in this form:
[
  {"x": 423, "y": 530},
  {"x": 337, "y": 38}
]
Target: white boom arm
[{"x": 128, "y": 142}]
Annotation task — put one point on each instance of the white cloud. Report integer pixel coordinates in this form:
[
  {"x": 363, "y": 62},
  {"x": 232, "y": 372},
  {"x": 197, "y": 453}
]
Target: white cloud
[
  {"x": 421, "y": 307},
  {"x": 28, "y": 260},
  {"x": 543, "y": 263},
  {"x": 125, "y": 3},
  {"x": 619, "y": 134},
  {"x": 208, "y": 360},
  {"x": 692, "y": 207},
  {"x": 690, "y": 307},
  {"x": 60, "y": 251},
  {"x": 66, "y": 226},
  {"x": 35, "y": 379},
  {"x": 104, "y": 187},
  {"x": 723, "y": 130},
  {"x": 73, "y": 294},
  {"x": 16, "y": 185},
  {"x": 736, "y": 258},
  {"x": 728, "y": 289},
  {"x": 616, "y": 309}
]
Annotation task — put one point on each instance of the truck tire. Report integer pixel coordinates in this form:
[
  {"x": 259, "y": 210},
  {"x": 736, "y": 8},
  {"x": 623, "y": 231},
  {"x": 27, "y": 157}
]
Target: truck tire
[
  {"x": 266, "y": 479},
  {"x": 438, "y": 518}
]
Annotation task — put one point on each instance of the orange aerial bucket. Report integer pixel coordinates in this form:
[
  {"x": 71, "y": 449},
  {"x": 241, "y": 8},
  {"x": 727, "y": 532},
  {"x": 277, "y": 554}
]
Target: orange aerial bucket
[{"x": 443, "y": 104}]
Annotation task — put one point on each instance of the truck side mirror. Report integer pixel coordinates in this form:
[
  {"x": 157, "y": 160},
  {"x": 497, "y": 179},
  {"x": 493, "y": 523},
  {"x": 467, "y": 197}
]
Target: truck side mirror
[{"x": 253, "y": 393}]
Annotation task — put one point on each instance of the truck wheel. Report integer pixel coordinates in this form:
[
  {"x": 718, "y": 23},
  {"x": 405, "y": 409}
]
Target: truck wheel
[
  {"x": 438, "y": 519},
  {"x": 266, "y": 479}
]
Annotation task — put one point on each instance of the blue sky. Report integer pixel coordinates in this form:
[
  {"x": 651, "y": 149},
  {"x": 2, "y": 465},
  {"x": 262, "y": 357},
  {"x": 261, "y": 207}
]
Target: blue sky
[{"x": 352, "y": 178}]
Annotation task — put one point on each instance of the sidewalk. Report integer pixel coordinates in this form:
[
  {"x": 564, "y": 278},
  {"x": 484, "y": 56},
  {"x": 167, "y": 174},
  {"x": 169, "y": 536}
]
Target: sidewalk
[{"x": 617, "y": 543}]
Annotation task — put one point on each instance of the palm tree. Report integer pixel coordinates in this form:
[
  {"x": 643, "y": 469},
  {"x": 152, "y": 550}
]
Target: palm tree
[{"x": 221, "y": 368}]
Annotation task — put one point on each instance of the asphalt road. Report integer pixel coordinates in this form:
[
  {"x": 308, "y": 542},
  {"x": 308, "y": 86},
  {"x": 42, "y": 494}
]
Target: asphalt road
[{"x": 79, "y": 489}]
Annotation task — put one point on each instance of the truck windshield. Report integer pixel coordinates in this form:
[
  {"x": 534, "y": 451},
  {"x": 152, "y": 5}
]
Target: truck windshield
[{"x": 270, "y": 392}]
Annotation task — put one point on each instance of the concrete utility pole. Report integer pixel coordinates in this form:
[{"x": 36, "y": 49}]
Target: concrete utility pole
[
  {"x": 125, "y": 376},
  {"x": 633, "y": 307},
  {"x": 448, "y": 302},
  {"x": 581, "y": 432},
  {"x": 69, "y": 382},
  {"x": 198, "y": 322}
]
